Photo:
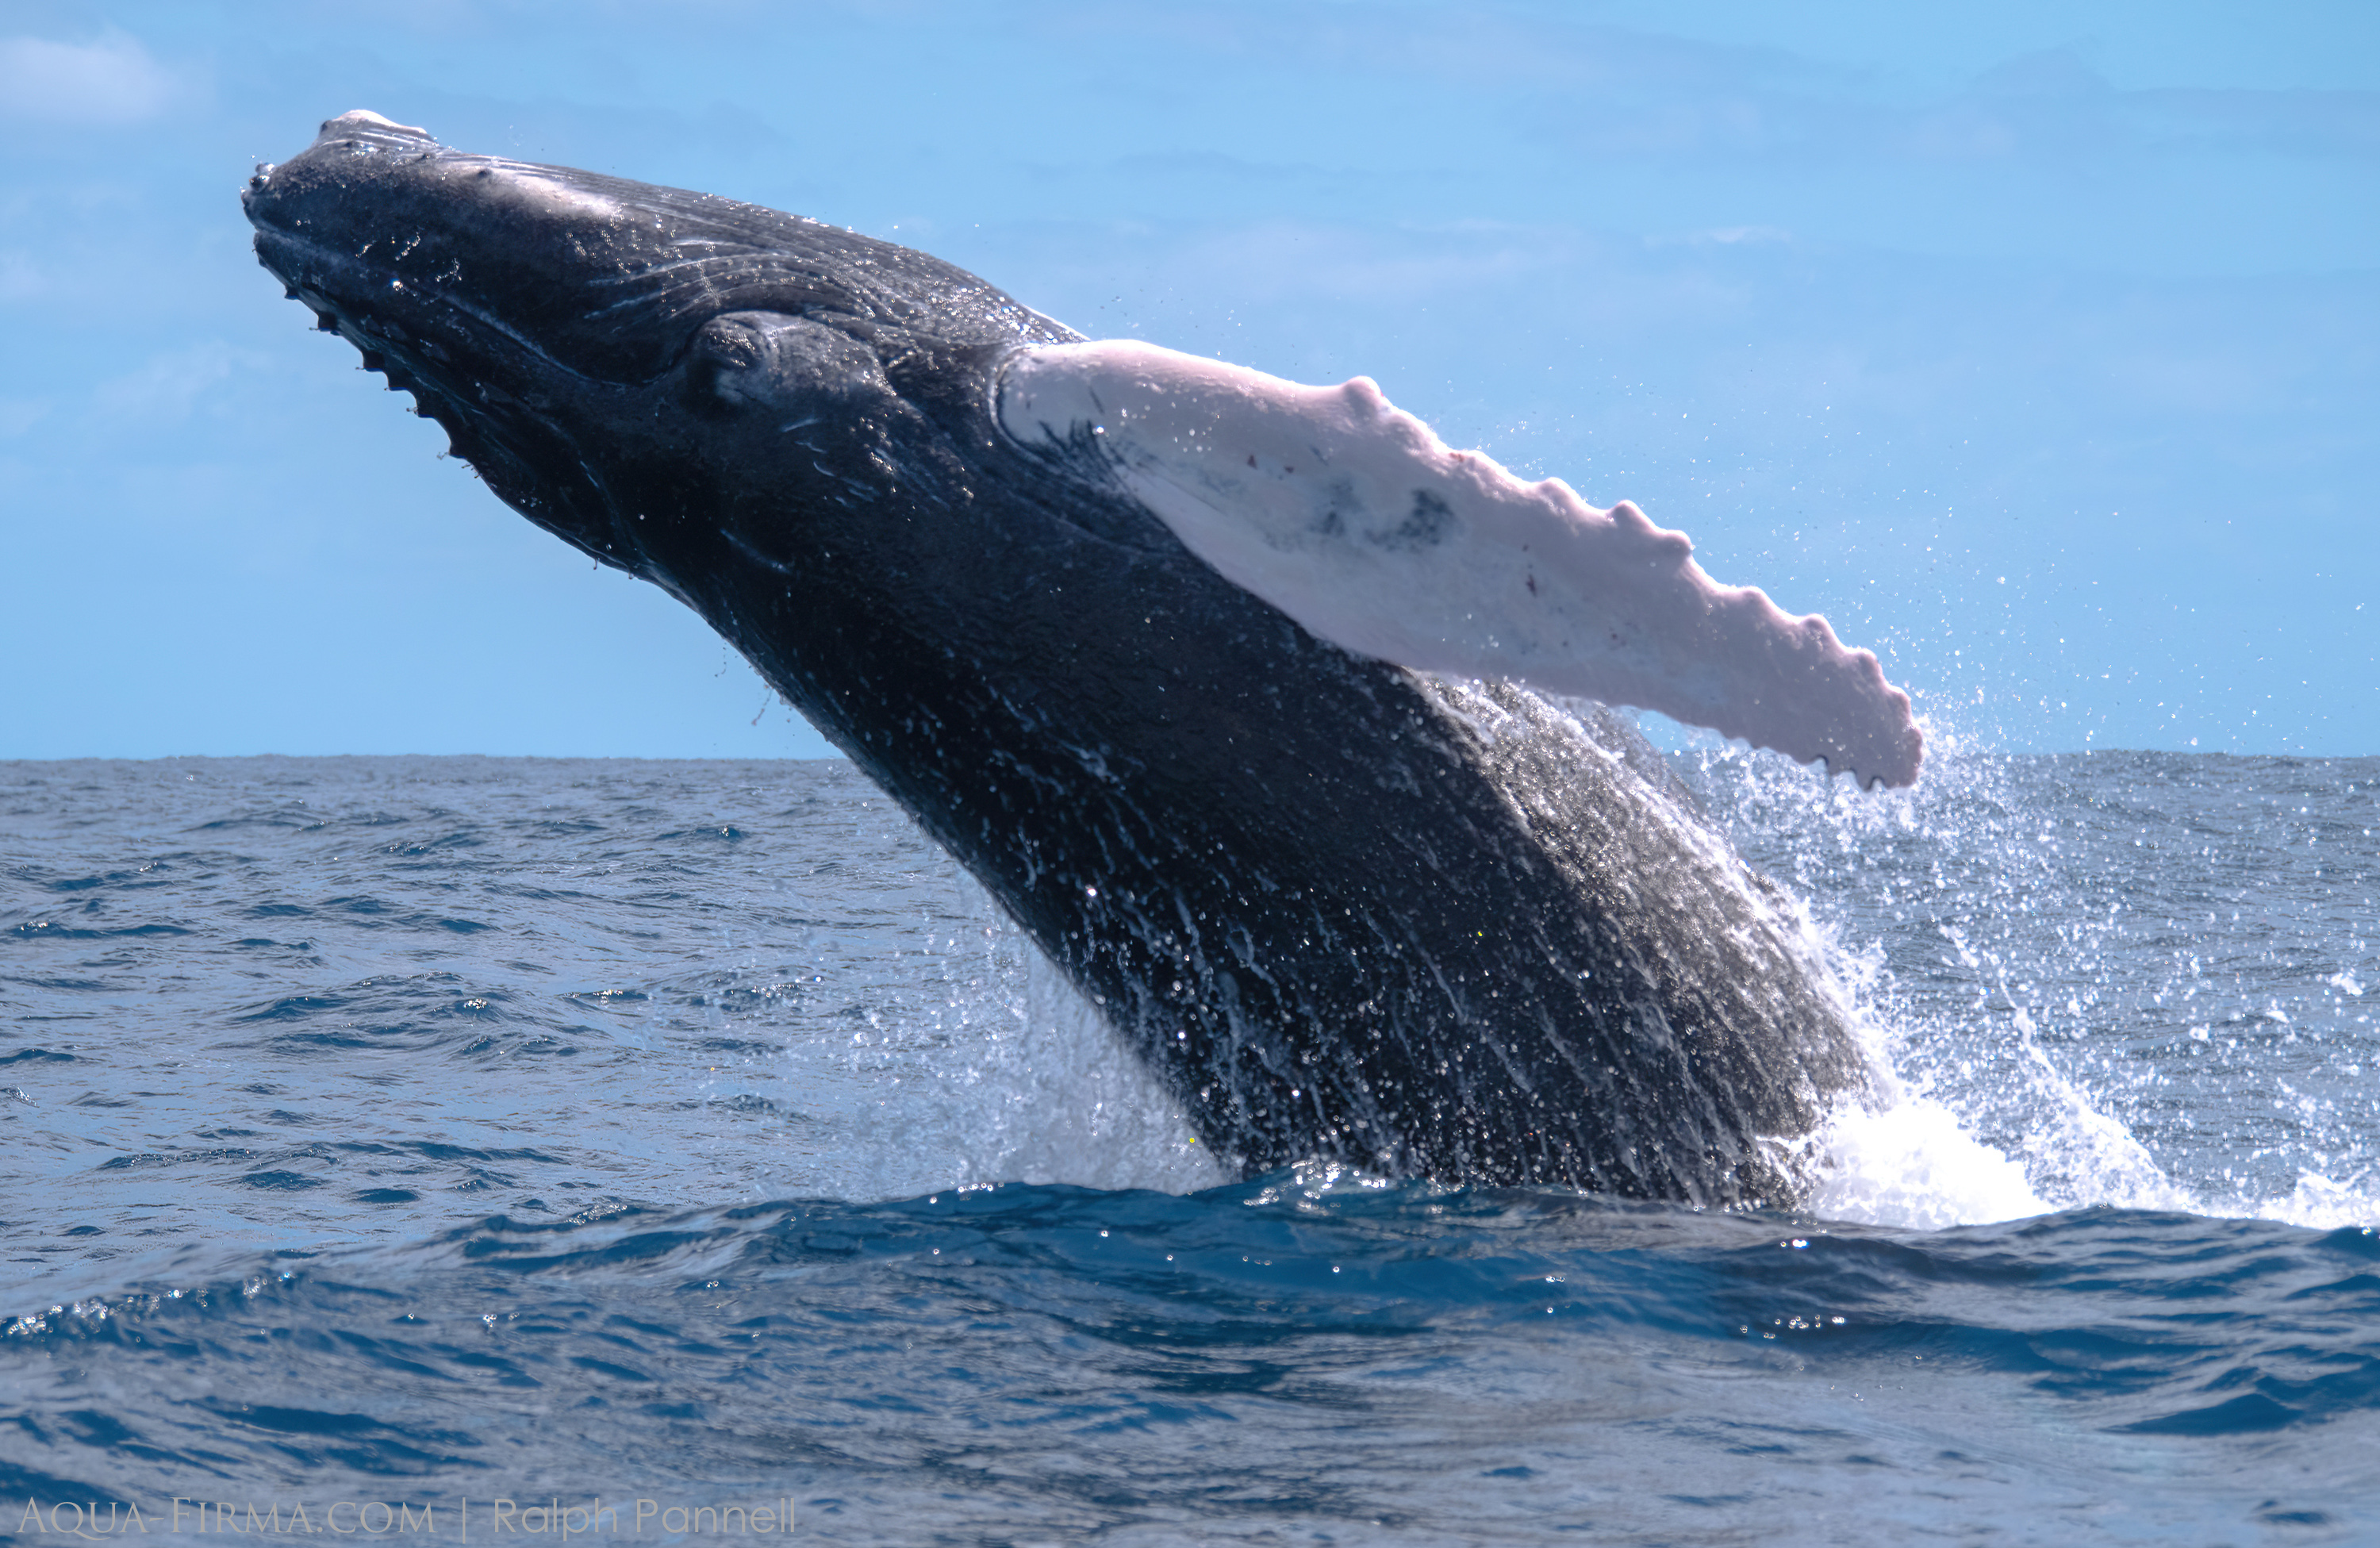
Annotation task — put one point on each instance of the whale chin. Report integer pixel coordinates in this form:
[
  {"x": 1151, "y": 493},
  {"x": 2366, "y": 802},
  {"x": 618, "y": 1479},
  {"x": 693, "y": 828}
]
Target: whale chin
[{"x": 1419, "y": 925}]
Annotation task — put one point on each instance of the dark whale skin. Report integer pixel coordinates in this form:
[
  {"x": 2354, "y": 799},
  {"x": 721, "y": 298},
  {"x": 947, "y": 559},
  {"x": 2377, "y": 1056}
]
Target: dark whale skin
[{"x": 1348, "y": 913}]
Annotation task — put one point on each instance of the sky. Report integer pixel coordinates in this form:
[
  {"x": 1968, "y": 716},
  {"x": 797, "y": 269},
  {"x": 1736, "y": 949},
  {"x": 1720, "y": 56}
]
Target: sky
[{"x": 2037, "y": 346}]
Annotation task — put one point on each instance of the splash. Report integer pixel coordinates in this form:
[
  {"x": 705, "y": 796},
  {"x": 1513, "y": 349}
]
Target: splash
[
  {"x": 2058, "y": 1034},
  {"x": 2069, "y": 1023},
  {"x": 1054, "y": 1096}
]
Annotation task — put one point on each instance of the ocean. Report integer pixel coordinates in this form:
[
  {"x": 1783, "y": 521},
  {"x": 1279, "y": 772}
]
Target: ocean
[{"x": 465, "y": 1148}]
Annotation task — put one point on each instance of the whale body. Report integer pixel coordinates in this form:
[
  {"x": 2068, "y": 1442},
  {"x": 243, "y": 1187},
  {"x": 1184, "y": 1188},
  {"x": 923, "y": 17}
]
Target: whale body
[{"x": 1421, "y": 926}]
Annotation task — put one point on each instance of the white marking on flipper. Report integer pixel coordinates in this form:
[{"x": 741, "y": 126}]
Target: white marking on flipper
[{"x": 1353, "y": 519}]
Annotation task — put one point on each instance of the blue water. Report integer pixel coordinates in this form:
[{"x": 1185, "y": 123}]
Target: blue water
[{"x": 423, "y": 1134}]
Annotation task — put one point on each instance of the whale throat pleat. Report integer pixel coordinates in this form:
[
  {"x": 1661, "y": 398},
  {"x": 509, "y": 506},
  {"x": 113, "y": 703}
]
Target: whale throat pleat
[{"x": 1352, "y": 518}]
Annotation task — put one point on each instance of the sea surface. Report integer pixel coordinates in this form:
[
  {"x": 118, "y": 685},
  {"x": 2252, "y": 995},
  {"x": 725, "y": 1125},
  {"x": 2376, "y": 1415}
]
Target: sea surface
[{"x": 459, "y": 1149}]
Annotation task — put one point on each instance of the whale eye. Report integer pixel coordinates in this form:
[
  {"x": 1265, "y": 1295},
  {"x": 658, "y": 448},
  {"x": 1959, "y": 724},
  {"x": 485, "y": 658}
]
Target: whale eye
[
  {"x": 727, "y": 357},
  {"x": 782, "y": 364}
]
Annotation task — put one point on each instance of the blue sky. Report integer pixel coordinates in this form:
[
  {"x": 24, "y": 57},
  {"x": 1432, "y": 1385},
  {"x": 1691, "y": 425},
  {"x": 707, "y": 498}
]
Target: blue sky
[{"x": 2038, "y": 347}]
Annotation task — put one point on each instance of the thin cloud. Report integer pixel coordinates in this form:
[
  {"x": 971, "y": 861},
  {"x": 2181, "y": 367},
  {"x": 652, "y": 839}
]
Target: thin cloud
[
  {"x": 112, "y": 81},
  {"x": 19, "y": 415},
  {"x": 170, "y": 386},
  {"x": 19, "y": 280}
]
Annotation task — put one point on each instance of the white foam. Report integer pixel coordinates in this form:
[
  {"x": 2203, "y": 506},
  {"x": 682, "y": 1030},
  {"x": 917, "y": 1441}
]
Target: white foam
[
  {"x": 2322, "y": 1203},
  {"x": 1913, "y": 1164},
  {"x": 1912, "y": 1161},
  {"x": 1354, "y": 519}
]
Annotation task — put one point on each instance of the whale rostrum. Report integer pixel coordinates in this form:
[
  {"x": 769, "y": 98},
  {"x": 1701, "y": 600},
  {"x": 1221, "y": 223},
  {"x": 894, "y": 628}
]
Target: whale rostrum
[{"x": 1152, "y": 645}]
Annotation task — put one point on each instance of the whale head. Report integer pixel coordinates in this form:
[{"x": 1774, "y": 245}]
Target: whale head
[{"x": 620, "y": 361}]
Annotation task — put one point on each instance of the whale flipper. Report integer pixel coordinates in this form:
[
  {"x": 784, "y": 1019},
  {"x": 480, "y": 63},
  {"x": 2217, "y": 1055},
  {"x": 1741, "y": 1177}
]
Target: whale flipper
[{"x": 1352, "y": 518}]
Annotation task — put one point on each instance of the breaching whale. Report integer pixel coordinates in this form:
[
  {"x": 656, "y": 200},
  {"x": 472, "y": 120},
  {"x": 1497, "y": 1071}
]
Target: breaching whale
[{"x": 1177, "y": 659}]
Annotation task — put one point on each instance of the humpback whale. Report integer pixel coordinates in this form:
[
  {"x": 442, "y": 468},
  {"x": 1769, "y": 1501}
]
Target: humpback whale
[{"x": 1233, "y": 693}]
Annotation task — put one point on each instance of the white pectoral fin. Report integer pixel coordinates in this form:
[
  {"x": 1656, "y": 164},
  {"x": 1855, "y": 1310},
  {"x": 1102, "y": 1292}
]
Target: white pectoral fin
[{"x": 1353, "y": 519}]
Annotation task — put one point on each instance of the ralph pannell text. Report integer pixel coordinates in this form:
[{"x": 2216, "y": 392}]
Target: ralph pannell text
[{"x": 458, "y": 1520}]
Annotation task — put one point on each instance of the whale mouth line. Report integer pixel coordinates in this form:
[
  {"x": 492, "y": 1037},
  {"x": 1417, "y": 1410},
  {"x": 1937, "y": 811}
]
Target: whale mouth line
[
  {"x": 369, "y": 294},
  {"x": 366, "y": 277},
  {"x": 386, "y": 278}
]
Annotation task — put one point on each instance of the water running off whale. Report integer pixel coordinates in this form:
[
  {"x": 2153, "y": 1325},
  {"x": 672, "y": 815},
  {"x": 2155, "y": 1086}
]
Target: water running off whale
[{"x": 1090, "y": 612}]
